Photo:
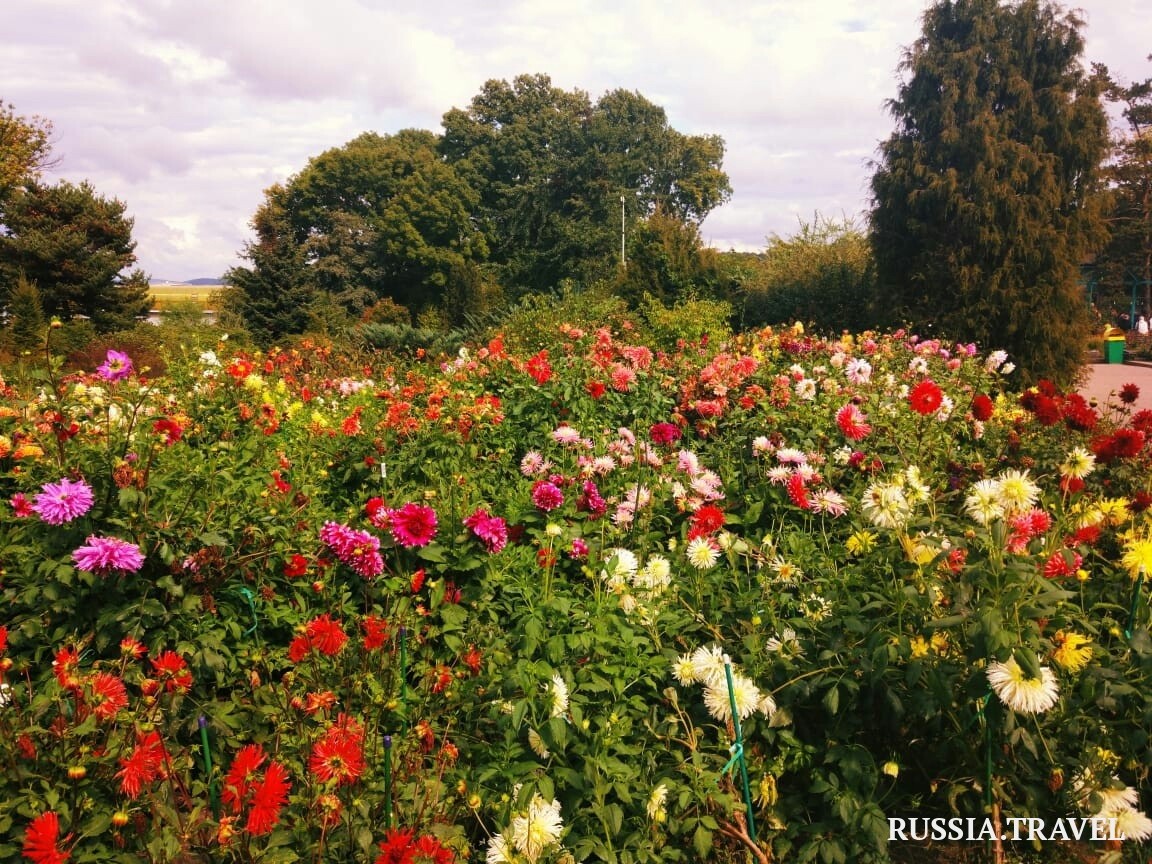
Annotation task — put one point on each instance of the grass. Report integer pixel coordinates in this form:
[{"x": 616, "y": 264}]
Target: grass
[{"x": 168, "y": 295}]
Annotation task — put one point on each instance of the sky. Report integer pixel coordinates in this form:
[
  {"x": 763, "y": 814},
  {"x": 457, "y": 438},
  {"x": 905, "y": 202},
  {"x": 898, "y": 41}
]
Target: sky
[{"x": 188, "y": 111}]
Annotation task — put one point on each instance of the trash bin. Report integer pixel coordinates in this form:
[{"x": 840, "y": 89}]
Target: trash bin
[{"x": 1114, "y": 342}]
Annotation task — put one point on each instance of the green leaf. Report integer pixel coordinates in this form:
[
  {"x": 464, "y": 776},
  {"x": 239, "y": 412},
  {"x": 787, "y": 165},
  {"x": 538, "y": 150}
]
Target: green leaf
[{"x": 702, "y": 842}]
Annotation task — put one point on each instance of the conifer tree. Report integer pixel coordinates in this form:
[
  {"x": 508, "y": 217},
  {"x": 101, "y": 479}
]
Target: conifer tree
[
  {"x": 26, "y": 314},
  {"x": 986, "y": 198}
]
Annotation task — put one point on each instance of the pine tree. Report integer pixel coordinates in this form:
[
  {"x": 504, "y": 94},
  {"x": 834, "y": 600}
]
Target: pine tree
[
  {"x": 986, "y": 198},
  {"x": 26, "y": 315}
]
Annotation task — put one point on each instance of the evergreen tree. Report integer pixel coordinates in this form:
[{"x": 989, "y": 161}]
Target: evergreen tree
[
  {"x": 75, "y": 245},
  {"x": 25, "y": 315},
  {"x": 986, "y": 198}
]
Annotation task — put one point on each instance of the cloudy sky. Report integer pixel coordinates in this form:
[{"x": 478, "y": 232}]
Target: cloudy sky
[{"x": 187, "y": 110}]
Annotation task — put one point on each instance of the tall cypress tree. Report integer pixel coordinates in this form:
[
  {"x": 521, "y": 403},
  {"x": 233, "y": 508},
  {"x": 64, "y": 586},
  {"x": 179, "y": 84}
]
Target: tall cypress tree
[{"x": 986, "y": 198}]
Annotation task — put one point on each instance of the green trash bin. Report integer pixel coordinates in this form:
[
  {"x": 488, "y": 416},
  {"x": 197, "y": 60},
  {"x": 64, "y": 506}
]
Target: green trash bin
[{"x": 1114, "y": 349}]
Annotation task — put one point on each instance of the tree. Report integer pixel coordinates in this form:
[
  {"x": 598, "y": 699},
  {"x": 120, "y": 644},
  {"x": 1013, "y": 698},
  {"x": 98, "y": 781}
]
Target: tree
[
  {"x": 1128, "y": 256},
  {"x": 667, "y": 261},
  {"x": 25, "y": 150},
  {"x": 75, "y": 245},
  {"x": 381, "y": 216},
  {"x": 26, "y": 316},
  {"x": 823, "y": 275},
  {"x": 551, "y": 168},
  {"x": 986, "y": 196}
]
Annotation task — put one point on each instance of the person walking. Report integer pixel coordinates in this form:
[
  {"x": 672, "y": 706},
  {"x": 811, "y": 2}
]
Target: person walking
[{"x": 1142, "y": 326}]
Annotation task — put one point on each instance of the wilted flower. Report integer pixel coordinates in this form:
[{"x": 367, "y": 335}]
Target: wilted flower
[{"x": 559, "y": 693}]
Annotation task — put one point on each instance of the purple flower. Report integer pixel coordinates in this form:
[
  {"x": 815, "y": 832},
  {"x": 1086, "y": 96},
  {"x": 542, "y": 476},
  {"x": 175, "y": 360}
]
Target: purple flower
[
  {"x": 57, "y": 503},
  {"x": 116, "y": 367},
  {"x": 104, "y": 554}
]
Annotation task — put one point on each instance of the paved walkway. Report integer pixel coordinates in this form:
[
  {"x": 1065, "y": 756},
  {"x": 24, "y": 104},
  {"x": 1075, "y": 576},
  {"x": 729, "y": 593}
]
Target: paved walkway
[{"x": 1104, "y": 380}]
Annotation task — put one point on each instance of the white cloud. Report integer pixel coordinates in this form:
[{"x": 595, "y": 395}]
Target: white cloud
[{"x": 188, "y": 111}]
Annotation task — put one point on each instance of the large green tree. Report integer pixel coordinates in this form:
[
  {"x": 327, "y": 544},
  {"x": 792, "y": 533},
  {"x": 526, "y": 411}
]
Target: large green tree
[
  {"x": 383, "y": 216},
  {"x": 554, "y": 171},
  {"x": 76, "y": 246},
  {"x": 1127, "y": 260},
  {"x": 986, "y": 196}
]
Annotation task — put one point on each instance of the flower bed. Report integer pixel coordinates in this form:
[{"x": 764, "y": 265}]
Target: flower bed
[{"x": 298, "y": 607}]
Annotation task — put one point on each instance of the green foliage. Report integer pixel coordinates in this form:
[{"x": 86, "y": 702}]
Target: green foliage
[
  {"x": 551, "y": 167},
  {"x": 986, "y": 195},
  {"x": 26, "y": 327},
  {"x": 75, "y": 245},
  {"x": 25, "y": 150},
  {"x": 823, "y": 276},
  {"x": 666, "y": 259},
  {"x": 381, "y": 216},
  {"x": 526, "y": 325},
  {"x": 1127, "y": 259},
  {"x": 689, "y": 321}
]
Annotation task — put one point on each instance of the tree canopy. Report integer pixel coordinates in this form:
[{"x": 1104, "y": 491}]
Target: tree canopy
[
  {"x": 986, "y": 196},
  {"x": 553, "y": 170},
  {"x": 75, "y": 246}
]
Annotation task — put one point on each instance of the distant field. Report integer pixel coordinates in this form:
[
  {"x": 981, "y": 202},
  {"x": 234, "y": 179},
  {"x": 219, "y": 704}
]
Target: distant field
[{"x": 167, "y": 295}]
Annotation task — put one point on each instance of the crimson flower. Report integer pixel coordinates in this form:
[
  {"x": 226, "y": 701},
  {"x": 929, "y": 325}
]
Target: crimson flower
[
  {"x": 472, "y": 659},
  {"x": 339, "y": 755},
  {"x": 296, "y": 566},
  {"x": 413, "y": 525},
  {"x": 109, "y": 695},
  {"x": 66, "y": 668},
  {"x": 492, "y": 530},
  {"x": 706, "y": 521},
  {"x": 241, "y": 777},
  {"x": 326, "y": 635},
  {"x": 926, "y": 397},
  {"x": 375, "y": 632},
  {"x": 172, "y": 670},
  {"x": 269, "y": 797},
  {"x": 1129, "y": 393},
  {"x": 145, "y": 764},
  {"x": 539, "y": 368},
  {"x": 42, "y": 840},
  {"x": 546, "y": 496},
  {"x": 853, "y": 423},
  {"x": 595, "y": 389},
  {"x": 982, "y": 407},
  {"x": 664, "y": 433},
  {"x": 169, "y": 430}
]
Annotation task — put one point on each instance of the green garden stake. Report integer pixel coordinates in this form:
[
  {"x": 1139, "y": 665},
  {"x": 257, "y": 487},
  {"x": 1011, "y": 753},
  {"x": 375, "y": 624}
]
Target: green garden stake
[
  {"x": 387, "y": 782},
  {"x": 1137, "y": 589},
  {"x": 738, "y": 750},
  {"x": 404, "y": 675},
  {"x": 250, "y": 597},
  {"x": 213, "y": 798}
]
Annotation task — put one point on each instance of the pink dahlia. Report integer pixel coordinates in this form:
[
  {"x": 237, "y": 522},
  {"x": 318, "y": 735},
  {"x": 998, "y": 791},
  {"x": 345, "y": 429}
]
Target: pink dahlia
[
  {"x": 104, "y": 554},
  {"x": 358, "y": 549},
  {"x": 492, "y": 530},
  {"x": 116, "y": 366},
  {"x": 413, "y": 525},
  {"x": 664, "y": 433},
  {"x": 547, "y": 496},
  {"x": 57, "y": 503}
]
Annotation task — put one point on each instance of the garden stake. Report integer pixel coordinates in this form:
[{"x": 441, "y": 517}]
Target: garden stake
[
  {"x": 247, "y": 594},
  {"x": 387, "y": 782},
  {"x": 1136, "y": 591},
  {"x": 737, "y": 750},
  {"x": 404, "y": 676},
  {"x": 213, "y": 798}
]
